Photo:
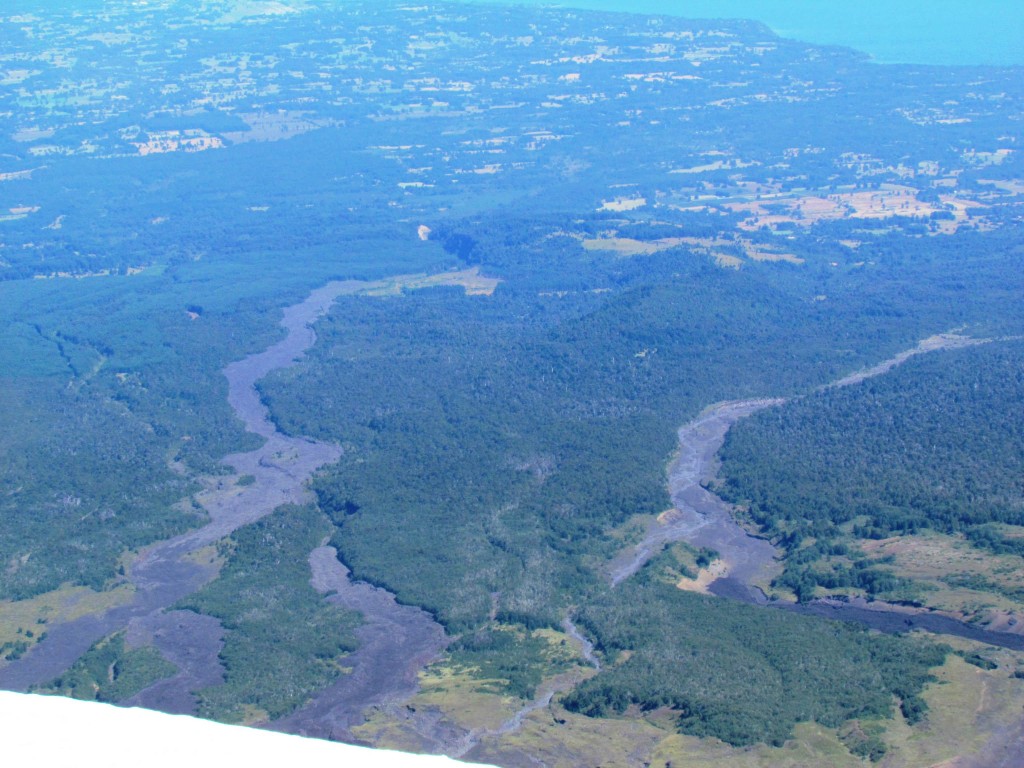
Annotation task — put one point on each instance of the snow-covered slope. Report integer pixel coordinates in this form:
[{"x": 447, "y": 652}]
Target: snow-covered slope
[{"x": 56, "y": 731}]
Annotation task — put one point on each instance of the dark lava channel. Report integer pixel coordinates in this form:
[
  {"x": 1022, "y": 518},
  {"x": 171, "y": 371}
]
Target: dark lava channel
[
  {"x": 396, "y": 640},
  {"x": 702, "y": 519}
]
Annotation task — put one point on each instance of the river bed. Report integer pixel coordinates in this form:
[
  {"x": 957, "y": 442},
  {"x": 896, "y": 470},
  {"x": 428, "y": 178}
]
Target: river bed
[
  {"x": 397, "y": 641},
  {"x": 702, "y": 519},
  {"x": 168, "y": 571}
]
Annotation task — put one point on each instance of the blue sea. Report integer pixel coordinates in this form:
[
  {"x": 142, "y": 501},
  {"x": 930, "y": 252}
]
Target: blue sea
[{"x": 890, "y": 31}]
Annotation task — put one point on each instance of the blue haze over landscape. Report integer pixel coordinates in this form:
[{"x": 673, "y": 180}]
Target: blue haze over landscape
[
  {"x": 560, "y": 382},
  {"x": 905, "y": 31}
]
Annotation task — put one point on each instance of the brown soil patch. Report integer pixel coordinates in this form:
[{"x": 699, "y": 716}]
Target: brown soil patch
[
  {"x": 178, "y": 141},
  {"x": 274, "y": 126},
  {"x": 623, "y": 246},
  {"x": 1014, "y": 187},
  {"x": 717, "y": 570},
  {"x": 623, "y": 204}
]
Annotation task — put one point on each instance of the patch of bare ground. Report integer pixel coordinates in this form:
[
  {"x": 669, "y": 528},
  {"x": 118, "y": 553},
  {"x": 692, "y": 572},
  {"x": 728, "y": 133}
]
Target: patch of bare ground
[
  {"x": 190, "y": 140},
  {"x": 1013, "y": 187},
  {"x": 559, "y": 739},
  {"x": 460, "y": 714},
  {"x": 708, "y": 246},
  {"x": 620, "y": 204},
  {"x": 718, "y": 569},
  {"x": 470, "y": 280},
  {"x": 94, "y": 273},
  {"x": 624, "y": 246},
  {"x": 275, "y": 126}
]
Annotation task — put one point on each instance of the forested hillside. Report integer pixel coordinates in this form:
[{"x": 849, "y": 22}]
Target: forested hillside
[
  {"x": 549, "y": 415},
  {"x": 493, "y": 445},
  {"x": 742, "y": 674},
  {"x": 938, "y": 443},
  {"x": 436, "y": 285}
]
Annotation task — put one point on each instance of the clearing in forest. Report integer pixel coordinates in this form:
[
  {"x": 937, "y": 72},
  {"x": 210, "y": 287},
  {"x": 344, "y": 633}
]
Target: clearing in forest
[
  {"x": 471, "y": 280},
  {"x": 956, "y": 575},
  {"x": 716, "y": 247}
]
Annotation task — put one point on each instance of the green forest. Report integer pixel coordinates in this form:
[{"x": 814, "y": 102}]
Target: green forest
[
  {"x": 646, "y": 193},
  {"x": 115, "y": 401},
  {"x": 283, "y": 641},
  {"x": 548, "y": 422},
  {"x": 549, "y": 419},
  {"x": 110, "y": 671},
  {"x": 740, "y": 673},
  {"x": 935, "y": 444}
]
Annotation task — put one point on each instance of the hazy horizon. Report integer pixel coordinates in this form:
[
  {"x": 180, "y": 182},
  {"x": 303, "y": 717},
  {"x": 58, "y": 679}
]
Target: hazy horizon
[{"x": 910, "y": 31}]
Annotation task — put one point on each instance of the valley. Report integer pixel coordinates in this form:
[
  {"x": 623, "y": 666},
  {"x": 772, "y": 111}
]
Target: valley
[{"x": 529, "y": 385}]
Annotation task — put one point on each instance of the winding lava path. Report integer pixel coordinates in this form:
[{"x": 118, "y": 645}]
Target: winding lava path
[
  {"x": 163, "y": 573},
  {"x": 701, "y": 518}
]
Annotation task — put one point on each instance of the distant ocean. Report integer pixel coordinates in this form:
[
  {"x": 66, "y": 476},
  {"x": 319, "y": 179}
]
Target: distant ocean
[{"x": 890, "y": 31}]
